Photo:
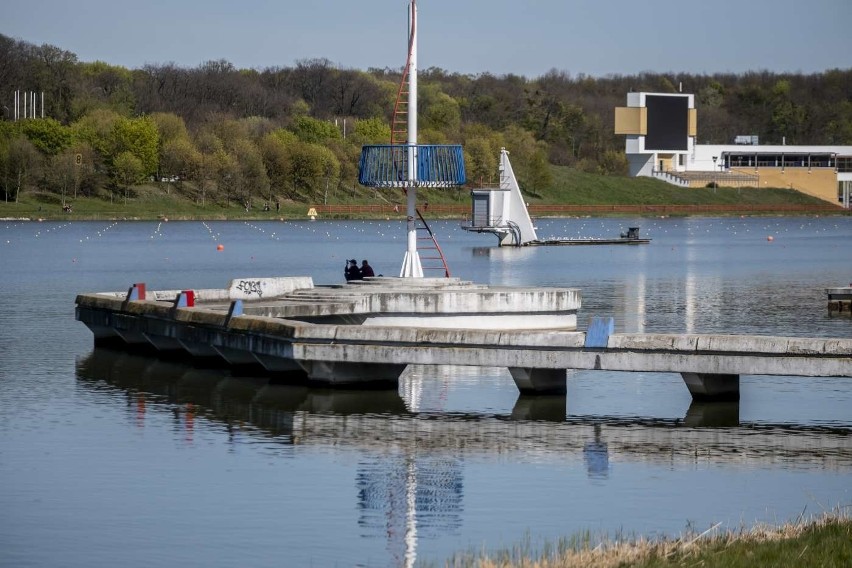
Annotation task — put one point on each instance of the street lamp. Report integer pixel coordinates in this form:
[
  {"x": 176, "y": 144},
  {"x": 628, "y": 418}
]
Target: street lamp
[{"x": 714, "y": 173}]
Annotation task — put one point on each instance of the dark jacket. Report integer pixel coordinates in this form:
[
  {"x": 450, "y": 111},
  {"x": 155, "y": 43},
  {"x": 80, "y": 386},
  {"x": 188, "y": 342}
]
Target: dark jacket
[{"x": 352, "y": 272}]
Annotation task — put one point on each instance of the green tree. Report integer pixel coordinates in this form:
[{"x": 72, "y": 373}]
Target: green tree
[
  {"x": 61, "y": 173},
  {"x": 537, "y": 171},
  {"x": 46, "y": 134},
  {"x": 330, "y": 172},
  {"x": 309, "y": 164},
  {"x": 137, "y": 136},
  {"x": 787, "y": 117},
  {"x": 23, "y": 161},
  {"x": 480, "y": 160},
  {"x": 252, "y": 173},
  {"x": 439, "y": 111},
  {"x": 227, "y": 172},
  {"x": 613, "y": 163},
  {"x": 96, "y": 130},
  {"x": 104, "y": 85},
  {"x": 711, "y": 96},
  {"x": 529, "y": 159},
  {"x": 128, "y": 170},
  {"x": 285, "y": 136},
  {"x": 315, "y": 131},
  {"x": 180, "y": 158},
  {"x": 372, "y": 131},
  {"x": 276, "y": 159},
  {"x": 227, "y": 130},
  {"x": 211, "y": 149},
  {"x": 89, "y": 175},
  {"x": 169, "y": 126}
]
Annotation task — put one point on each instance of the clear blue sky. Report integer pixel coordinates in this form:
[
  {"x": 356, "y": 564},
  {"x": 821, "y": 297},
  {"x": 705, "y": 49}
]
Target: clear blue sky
[{"x": 596, "y": 37}]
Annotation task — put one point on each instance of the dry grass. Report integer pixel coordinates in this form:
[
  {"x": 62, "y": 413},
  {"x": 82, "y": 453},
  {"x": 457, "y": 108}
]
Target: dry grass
[{"x": 821, "y": 541}]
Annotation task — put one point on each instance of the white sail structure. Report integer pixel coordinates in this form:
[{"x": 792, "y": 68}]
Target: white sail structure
[{"x": 501, "y": 210}]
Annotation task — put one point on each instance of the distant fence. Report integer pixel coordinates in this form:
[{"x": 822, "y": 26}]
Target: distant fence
[{"x": 573, "y": 210}]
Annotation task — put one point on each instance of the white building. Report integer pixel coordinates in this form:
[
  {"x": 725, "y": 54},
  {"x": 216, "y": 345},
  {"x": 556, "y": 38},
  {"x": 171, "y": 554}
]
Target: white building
[{"x": 661, "y": 130}]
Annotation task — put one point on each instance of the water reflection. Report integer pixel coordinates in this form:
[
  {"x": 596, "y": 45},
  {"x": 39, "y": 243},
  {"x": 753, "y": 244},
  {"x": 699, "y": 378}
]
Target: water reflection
[
  {"x": 380, "y": 421},
  {"x": 410, "y": 475},
  {"x": 596, "y": 456}
]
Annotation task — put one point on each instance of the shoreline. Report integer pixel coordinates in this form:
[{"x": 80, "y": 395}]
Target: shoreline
[
  {"x": 823, "y": 540},
  {"x": 440, "y": 212}
]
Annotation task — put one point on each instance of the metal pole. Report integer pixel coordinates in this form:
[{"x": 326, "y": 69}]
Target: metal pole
[{"x": 411, "y": 267}]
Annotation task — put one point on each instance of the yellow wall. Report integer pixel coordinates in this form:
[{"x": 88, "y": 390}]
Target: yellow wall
[
  {"x": 631, "y": 120},
  {"x": 693, "y": 122},
  {"x": 820, "y": 182}
]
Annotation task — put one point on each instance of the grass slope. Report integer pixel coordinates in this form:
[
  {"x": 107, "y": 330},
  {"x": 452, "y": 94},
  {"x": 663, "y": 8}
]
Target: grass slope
[
  {"x": 570, "y": 187},
  {"x": 825, "y": 542}
]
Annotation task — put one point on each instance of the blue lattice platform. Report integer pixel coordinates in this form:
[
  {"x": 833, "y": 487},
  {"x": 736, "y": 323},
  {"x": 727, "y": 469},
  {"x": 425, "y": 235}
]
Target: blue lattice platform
[{"x": 387, "y": 166}]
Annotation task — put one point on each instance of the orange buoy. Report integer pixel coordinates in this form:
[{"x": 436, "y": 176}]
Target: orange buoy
[
  {"x": 770, "y": 238},
  {"x": 220, "y": 247}
]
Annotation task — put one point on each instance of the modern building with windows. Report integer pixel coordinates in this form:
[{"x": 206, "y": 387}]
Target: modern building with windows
[{"x": 661, "y": 131}]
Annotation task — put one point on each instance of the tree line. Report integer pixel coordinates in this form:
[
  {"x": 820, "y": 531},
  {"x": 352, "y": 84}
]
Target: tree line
[{"x": 218, "y": 133}]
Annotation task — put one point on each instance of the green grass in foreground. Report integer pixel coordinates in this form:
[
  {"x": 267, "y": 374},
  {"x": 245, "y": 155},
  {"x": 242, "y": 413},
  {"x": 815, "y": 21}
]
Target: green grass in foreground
[{"x": 823, "y": 542}]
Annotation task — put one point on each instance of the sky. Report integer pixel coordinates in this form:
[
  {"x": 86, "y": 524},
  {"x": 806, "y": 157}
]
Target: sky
[{"x": 593, "y": 37}]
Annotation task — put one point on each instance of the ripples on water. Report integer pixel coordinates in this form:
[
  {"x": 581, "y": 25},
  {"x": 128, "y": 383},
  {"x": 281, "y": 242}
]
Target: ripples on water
[{"x": 107, "y": 455}]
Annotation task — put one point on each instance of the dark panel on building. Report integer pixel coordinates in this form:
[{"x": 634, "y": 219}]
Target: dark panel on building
[
  {"x": 668, "y": 123},
  {"x": 480, "y": 209}
]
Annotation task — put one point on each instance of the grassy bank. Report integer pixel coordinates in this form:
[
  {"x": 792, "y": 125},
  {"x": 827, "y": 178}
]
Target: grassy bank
[
  {"x": 572, "y": 193},
  {"x": 825, "y": 541}
]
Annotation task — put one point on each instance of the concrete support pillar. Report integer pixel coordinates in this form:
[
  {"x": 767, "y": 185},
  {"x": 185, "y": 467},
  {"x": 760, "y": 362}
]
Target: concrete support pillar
[
  {"x": 354, "y": 375},
  {"x": 134, "y": 339},
  {"x": 236, "y": 357},
  {"x": 540, "y": 381},
  {"x": 712, "y": 387},
  {"x": 163, "y": 343},
  {"x": 106, "y": 336},
  {"x": 196, "y": 349},
  {"x": 277, "y": 364}
]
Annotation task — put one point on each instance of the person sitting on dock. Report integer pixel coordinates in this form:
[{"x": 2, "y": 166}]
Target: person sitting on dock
[
  {"x": 366, "y": 269},
  {"x": 352, "y": 272}
]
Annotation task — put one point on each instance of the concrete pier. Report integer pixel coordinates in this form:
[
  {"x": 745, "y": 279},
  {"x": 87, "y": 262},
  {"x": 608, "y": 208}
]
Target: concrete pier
[
  {"x": 304, "y": 332},
  {"x": 712, "y": 386}
]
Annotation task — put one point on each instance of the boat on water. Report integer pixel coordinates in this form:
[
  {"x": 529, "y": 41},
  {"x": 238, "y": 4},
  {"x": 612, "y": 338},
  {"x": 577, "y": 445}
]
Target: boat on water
[{"x": 502, "y": 211}]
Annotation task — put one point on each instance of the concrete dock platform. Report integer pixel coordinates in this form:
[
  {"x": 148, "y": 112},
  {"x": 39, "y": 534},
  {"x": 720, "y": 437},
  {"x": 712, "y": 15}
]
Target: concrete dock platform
[{"x": 364, "y": 335}]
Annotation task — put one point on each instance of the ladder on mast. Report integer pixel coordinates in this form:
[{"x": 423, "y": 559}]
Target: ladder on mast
[{"x": 426, "y": 241}]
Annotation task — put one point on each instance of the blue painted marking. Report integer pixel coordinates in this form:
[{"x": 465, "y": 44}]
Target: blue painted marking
[
  {"x": 180, "y": 301},
  {"x": 133, "y": 293},
  {"x": 236, "y": 309},
  {"x": 599, "y": 331}
]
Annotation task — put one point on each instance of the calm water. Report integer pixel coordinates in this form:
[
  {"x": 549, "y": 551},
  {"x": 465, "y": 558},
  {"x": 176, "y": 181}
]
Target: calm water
[{"x": 110, "y": 458}]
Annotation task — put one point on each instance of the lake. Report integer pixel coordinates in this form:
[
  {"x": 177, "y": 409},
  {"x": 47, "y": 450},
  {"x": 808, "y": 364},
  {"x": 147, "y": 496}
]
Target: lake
[{"x": 110, "y": 458}]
